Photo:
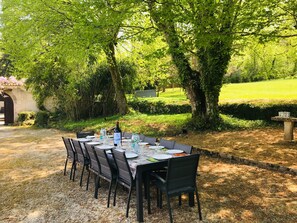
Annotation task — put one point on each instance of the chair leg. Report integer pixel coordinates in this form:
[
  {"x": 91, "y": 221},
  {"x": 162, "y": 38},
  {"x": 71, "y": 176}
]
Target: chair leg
[
  {"x": 115, "y": 193},
  {"x": 179, "y": 200},
  {"x": 74, "y": 170},
  {"x": 97, "y": 184},
  {"x": 82, "y": 174},
  {"x": 109, "y": 192},
  {"x": 160, "y": 200},
  {"x": 198, "y": 204},
  {"x": 128, "y": 203},
  {"x": 169, "y": 208},
  {"x": 88, "y": 180},
  {"x": 66, "y": 161}
]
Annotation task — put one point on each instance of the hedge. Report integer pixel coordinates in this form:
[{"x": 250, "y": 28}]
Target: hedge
[
  {"x": 257, "y": 112},
  {"x": 159, "y": 107},
  {"x": 248, "y": 111}
]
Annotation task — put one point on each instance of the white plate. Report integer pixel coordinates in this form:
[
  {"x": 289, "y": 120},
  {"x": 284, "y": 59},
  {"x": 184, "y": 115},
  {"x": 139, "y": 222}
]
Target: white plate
[
  {"x": 126, "y": 140},
  {"x": 161, "y": 156},
  {"x": 94, "y": 143},
  {"x": 143, "y": 143},
  {"x": 90, "y": 137},
  {"x": 104, "y": 147},
  {"x": 84, "y": 140},
  {"x": 172, "y": 151},
  {"x": 156, "y": 147},
  {"x": 130, "y": 155}
]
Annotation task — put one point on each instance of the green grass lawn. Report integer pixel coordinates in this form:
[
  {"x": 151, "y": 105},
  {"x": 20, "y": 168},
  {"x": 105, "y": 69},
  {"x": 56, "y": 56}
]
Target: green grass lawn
[{"x": 255, "y": 91}]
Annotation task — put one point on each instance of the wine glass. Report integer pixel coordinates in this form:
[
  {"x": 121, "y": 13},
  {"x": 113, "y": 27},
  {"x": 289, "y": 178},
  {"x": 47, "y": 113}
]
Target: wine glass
[{"x": 157, "y": 147}]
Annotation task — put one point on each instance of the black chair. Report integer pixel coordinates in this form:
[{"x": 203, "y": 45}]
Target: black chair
[
  {"x": 124, "y": 177},
  {"x": 186, "y": 148},
  {"x": 106, "y": 172},
  {"x": 150, "y": 140},
  {"x": 93, "y": 166},
  {"x": 71, "y": 156},
  {"x": 82, "y": 158},
  {"x": 180, "y": 178},
  {"x": 83, "y": 134},
  {"x": 168, "y": 144},
  {"x": 141, "y": 137}
]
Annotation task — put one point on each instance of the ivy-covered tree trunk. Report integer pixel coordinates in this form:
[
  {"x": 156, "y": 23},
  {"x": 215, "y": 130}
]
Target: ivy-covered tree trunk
[
  {"x": 116, "y": 79},
  {"x": 204, "y": 84},
  {"x": 190, "y": 79},
  {"x": 213, "y": 62}
]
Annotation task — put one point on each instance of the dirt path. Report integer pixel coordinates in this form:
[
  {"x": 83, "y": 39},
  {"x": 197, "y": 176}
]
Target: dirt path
[{"x": 33, "y": 188}]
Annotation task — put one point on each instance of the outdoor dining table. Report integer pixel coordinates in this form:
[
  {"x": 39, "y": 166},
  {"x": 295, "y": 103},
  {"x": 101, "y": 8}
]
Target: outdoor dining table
[{"x": 141, "y": 164}]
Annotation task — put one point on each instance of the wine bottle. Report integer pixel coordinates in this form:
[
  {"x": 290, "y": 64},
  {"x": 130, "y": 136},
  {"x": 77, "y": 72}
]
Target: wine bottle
[{"x": 117, "y": 135}]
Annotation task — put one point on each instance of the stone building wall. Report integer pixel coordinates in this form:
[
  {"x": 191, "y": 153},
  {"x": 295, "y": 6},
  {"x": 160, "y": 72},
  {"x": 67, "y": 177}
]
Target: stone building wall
[{"x": 22, "y": 99}]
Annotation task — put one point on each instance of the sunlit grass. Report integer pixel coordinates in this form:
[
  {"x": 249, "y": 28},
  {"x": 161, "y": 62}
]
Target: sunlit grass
[
  {"x": 254, "y": 91},
  {"x": 263, "y": 90}
]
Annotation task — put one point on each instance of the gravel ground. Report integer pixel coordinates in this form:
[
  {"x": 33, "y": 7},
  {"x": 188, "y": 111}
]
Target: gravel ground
[{"x": 34, "y": 189}]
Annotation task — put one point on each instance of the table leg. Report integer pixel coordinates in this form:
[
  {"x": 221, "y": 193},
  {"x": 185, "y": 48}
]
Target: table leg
[
  {"x": 288, "y": 130},
  {"x": 139, "y": 198}
]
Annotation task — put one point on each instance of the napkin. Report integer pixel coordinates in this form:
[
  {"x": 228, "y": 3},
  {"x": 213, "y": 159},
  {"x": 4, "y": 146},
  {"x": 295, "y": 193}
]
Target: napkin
[{"x": 151, "y": 159}]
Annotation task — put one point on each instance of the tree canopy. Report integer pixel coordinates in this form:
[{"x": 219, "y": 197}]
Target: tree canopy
[{"x": 200, "y": 37}]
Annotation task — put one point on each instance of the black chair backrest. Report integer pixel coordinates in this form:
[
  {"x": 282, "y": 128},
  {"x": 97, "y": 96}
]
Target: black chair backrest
[
  {"x": 94, "y": 162},
  {"x": 84, "y": 134},
  {"x": 124, "y": 172},
  {"x": 127, "y": 135},
  {"x": 69, "y": 148},
  {"x": 105, "y": 167},
  {"x": 79, "y": 150},
  {"x": 141, "y": 137},
  {"x": 186, "y": 148},
  {"x": 150, "y": 140},
  {"x": 169, "y": 144},
  {"x": 181, "y": 173}
]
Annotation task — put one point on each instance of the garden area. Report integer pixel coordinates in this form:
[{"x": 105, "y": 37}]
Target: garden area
[
  {"x": 220, "y": 75},
  {"x": 34, "y": 189},
  {"x": 247, "y": 173}
]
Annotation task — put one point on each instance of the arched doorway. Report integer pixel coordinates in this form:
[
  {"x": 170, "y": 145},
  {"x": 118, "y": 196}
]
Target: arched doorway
[{"x": 8, "y": 109}]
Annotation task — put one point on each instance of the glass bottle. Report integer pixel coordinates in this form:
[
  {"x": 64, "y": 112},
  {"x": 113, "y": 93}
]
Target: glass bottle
[{"x": 117, "y": 135}]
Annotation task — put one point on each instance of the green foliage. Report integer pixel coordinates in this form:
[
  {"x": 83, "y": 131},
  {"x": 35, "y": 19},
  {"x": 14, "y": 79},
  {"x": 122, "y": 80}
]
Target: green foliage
[
  {"x": 158, "y": 107},
  {"x": 42, "y": 119},
  {"x": 259, "y": 61},
  {"x": 26, "y": 118}
]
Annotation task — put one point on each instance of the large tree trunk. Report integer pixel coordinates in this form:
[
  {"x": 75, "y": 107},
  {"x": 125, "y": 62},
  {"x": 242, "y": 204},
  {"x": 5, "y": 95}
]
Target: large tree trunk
[
  {"x": 116, "y": 79},
  {"x": 190, "y": 79},
  {"x": 213, "y": 62}
]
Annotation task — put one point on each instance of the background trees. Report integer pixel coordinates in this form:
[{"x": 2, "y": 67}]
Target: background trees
[{"x": 68, "y": 40}]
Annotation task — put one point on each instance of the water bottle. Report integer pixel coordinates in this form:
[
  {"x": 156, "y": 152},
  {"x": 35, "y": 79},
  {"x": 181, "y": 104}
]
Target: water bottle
[{"x": 134, "y": 142}]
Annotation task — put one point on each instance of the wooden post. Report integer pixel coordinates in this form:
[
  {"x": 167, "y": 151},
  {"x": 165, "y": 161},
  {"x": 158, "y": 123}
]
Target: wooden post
[{"x": 288, "y": 130}]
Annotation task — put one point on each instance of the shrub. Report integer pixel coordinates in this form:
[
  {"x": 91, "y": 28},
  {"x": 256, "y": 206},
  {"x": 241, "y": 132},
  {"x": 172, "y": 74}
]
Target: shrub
[
  {"x": 158, "y": 107},
  {"x": 26, "y": 118},
  {"x": 42, "y": 118}
]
